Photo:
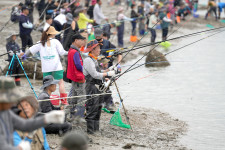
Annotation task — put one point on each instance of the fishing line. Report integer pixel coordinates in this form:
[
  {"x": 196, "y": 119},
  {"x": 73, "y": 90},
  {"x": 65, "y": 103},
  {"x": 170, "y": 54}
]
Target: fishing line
[
  {"x": 150, "y": 51},
  {"x": 174, "y": 51}
]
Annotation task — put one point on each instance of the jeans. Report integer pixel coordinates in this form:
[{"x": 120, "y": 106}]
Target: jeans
[
  {"x": 133, "y": 27},
  {"x": 153, "y": 37},
  {"x": 120, "y": 33},
  {"x": 210, "y": 10}
]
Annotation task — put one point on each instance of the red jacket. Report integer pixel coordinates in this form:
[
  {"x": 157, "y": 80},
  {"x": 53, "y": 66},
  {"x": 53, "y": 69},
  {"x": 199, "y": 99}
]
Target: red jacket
[{"x": 72, "y": 72}]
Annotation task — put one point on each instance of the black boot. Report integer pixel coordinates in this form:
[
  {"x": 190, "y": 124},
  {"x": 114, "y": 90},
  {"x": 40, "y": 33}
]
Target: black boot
[
  {"x": 17, "y": 83},
  {"x": 90, "y": 126},
  {"x": 96, "y": 125}
]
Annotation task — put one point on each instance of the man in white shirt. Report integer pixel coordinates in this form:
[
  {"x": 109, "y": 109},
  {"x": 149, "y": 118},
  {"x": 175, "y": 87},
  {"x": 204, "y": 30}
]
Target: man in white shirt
[
  {"x": 48, "y": 22},
  {"x": 98, "y": 15}
]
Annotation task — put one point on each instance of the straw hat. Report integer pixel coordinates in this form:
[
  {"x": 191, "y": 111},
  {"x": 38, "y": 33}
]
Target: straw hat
[
  {"x": 9, "y": 93},
  {"x": 103, "y": 60},
  {"x": 51, "y": 30}
]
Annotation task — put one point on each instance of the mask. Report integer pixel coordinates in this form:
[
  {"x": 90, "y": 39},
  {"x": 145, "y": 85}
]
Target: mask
[{"x": 98, "y": 40}]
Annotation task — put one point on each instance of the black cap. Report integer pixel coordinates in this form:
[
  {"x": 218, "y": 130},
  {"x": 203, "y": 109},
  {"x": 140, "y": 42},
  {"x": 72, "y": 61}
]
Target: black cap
[
  {"x": 24, "y": 7},
  {"x": 20, "y": 4},
  {"x": 77, "y": 36}
]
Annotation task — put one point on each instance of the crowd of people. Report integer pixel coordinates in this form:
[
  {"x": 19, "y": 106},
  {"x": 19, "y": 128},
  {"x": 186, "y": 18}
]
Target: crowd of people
[{"x": 68, "y": 33}]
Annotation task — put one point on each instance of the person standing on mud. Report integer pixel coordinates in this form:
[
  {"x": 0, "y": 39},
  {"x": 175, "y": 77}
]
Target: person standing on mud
[
  {"x": 26, "y": 28},
  {"x": 75, "y": 74},
  {"x": 165, "y": 22},
  {"x": 12, "y": 47},
  {"x": 98, "y": 15},
  {"x": 93, "y": 77},
  {"x": 152, "y": 24},
  {"x": 50, "y": 49}
]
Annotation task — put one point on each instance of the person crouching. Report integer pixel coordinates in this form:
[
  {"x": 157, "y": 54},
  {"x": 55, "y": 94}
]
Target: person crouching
[{"x": 49, "y": 86}]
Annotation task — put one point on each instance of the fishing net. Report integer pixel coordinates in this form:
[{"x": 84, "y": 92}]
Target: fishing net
[
  {"x": 117, "y": 120},
  {"x": 165, "y": 44}
]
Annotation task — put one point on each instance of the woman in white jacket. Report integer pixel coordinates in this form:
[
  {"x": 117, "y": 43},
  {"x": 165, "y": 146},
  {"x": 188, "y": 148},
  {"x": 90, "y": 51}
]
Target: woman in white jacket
[{"x": 50, "y": 51}]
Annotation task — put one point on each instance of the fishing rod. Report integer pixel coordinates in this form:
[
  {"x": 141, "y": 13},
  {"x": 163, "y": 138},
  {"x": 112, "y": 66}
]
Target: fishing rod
[
  {"x": 150, "y": 44},
  {"x": 149, "y": 52},
  {"x": 173, "y": 51}
]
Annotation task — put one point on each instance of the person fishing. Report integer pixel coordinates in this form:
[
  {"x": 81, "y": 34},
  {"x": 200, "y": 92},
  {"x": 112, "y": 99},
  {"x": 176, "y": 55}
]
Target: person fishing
[
  {"x": 49, "y": 86},
  {"x": 211, "y": 7},
  {"x": 75, "y": 74},
  {"x": 94, "y": 77},
  {"x": 9, "y": 121},
  {"x": 28, "y": 108},
  {"x": 50, "y": 51},
  {"x": 13, "y": 48},
  {"x": 106, "y": 45},
  {"x": 26, "y": 28}
]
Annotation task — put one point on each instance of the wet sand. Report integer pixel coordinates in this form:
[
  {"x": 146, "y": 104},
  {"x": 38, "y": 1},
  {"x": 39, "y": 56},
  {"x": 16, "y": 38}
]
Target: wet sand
[{"x": 153, "y": 129}]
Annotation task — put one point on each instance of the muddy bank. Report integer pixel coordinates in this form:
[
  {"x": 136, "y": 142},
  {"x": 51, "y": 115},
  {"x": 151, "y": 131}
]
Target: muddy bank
[{"x": 152, "y": 129}]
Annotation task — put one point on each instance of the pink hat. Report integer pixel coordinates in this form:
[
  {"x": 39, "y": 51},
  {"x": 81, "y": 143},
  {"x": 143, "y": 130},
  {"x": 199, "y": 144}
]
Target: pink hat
[
  {"x": 93, "y": 2},
  {"x": 91, "y": 45}
]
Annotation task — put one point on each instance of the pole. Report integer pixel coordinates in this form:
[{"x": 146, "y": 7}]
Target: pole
[{"x": 125, "y": 111}]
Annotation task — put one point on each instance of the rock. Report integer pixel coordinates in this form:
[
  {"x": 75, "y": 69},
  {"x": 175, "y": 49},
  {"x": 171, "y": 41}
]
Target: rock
[
  {"x": 29, "y": 69},
  {"x": 156, "y": 59}
]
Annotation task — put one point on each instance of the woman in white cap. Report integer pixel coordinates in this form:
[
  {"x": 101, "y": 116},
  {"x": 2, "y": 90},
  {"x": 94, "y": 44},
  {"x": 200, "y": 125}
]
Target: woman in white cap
[
  {"x": 94, "y": 77},
  {"x": 50, "y": 51}
]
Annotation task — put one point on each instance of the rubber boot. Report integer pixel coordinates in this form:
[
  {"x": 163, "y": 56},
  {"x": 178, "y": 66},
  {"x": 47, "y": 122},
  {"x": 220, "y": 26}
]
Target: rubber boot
[
  {"x": 63, "y": 100},
  {"x": 90, "y": 126},
  {"x": 17, "y": 81},
  {"x": 96, "y": 125}
]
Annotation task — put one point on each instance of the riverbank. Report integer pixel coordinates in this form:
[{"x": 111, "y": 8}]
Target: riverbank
[{"x": 152, "y": 129}]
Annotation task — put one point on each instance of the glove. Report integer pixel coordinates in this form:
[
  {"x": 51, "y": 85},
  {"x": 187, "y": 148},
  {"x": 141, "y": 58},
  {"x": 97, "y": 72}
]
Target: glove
[
  {"x": 25, "y": 145},
  {"x": 107, "y": 83},
  {"x": 112, "y": 68},
  {"x": 24, "y": 57},
  {"x": 111, "y": 73},
  {"x": 55, "y": 117}
]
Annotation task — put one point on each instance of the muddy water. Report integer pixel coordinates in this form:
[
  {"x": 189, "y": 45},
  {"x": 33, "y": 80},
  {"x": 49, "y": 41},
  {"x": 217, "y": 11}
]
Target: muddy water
[{"x": 191, "y": 89}]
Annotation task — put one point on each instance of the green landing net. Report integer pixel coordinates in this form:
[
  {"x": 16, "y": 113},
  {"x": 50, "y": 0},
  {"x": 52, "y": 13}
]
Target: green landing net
[{"x": 117, "y": 120}]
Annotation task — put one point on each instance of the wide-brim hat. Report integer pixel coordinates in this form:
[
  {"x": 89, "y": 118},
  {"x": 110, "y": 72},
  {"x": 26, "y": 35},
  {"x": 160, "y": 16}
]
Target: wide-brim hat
[
  {"x": 79, "y": 9},
  {"x": 91, "y": 45},
  {"x": 51, "y": 30},
  {"x": 48, "y": 80},
  {"x": 12, "y": 34},
  {"x": 9, "y": 93}
]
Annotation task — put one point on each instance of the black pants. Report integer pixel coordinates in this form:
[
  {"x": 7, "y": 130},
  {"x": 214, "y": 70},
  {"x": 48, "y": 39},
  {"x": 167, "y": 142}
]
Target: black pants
[
  {"x": 58, "y": 27},
  {"x": 210, "y": 10},
  {"x": 93, "y": 108},
  {"x": 56, "y": 128},
  {"x": 153, "y": 37},
  {"x": 164, "y": 33},
  {"x": 26, "y": 41}
]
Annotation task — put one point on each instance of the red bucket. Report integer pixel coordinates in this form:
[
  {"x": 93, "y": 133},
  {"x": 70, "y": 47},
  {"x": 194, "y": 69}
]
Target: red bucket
[{"x": 55, "y": 102}]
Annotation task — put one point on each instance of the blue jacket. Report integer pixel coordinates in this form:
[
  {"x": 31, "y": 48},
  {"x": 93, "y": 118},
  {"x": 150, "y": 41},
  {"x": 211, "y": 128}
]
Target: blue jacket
[{"x": 17, "y": 139}]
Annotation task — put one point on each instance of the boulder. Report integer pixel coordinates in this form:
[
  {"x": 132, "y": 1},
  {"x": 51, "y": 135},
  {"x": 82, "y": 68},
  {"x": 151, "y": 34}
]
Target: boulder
[{"x": 156, "y": 59}]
